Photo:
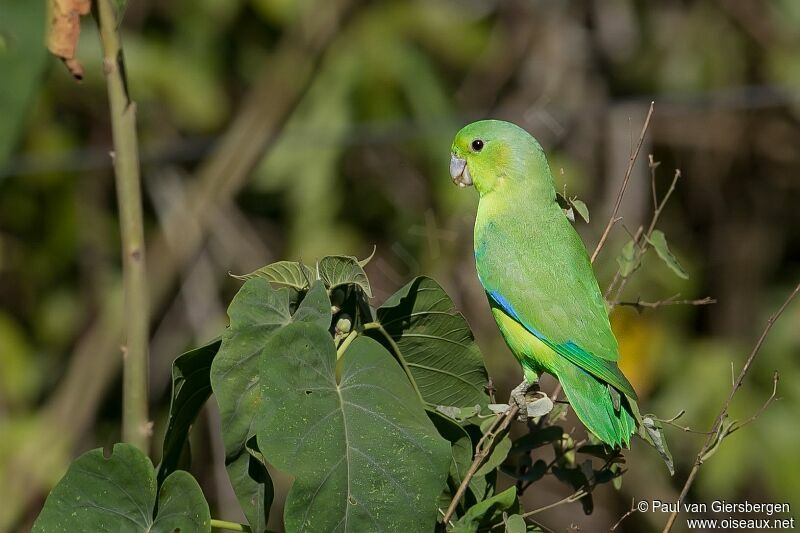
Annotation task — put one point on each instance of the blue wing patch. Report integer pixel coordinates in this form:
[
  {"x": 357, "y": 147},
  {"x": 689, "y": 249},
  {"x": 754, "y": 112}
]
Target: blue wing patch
[
  {"x": 607, "y": 371},
  {"x": 500, "y": 300}
]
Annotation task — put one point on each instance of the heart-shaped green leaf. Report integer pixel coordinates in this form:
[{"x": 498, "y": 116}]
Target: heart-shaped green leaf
[
  {"x": 361, "y": 448},
  {"x": 119, "y": 494},
  {"x": 461, "y": 445},
  {"x": 337, "y": 270},
  {"x": 288, "y": 273},
  {"x": 256, "y": 312}
]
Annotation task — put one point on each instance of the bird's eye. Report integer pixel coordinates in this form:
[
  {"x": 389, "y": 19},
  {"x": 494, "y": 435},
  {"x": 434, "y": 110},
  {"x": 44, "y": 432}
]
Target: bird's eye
[{"x": 477, "y": 145}]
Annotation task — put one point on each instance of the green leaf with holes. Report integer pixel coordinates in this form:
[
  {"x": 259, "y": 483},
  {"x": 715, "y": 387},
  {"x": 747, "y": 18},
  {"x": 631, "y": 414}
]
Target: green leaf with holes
[
  {"x": 257, "y": 311},
  {"x": 119, "y": 494},
  {"x": 351, "y": 432}
]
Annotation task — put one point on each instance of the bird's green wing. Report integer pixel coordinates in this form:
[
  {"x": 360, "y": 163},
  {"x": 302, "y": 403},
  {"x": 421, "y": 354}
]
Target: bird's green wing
[
  {"x": 603, "y": 369},
  {"x": 548, "y": 286}
]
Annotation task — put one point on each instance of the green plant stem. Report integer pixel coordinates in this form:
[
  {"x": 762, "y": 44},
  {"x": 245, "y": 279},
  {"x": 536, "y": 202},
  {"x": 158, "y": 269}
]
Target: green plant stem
[
  {"x": 346, "y": 344},
  {"x": 398, "y": 354},
  {"x": 258, "y": 123},
  {"x": 135, "y": 426},
  {"x": 229, "y": 526}
]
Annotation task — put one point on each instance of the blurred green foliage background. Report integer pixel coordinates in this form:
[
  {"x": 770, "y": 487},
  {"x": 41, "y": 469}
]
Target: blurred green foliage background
[{"x": 275, "y": 129}]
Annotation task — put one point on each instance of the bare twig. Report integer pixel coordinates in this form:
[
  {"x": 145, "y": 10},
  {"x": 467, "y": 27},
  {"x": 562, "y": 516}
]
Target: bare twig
[
  {"x": 653, "y": 165},
  {"x": 710, "y": 440},
  {"x": 641, "y": 240},
  {"x": 135, "y": 426},
  {"x": 660, "y": 207},
  {"x": 613, "y": 219},
  {"x": 575, "y": 496},
  {"x": 671, "y": 422},
  {"x": 632, "y": 510},
  {"x": 639, "y": 304},
  {"x": 482, "y": 451},
  {"x": 772, "y": 398}
]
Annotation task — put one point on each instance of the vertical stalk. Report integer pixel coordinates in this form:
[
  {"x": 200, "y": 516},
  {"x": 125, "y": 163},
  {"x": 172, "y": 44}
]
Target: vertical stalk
[{"x": 135, "y": 426}]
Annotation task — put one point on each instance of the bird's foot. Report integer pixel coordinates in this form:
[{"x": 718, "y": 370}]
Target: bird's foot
[{"x": 531, "y": 401}]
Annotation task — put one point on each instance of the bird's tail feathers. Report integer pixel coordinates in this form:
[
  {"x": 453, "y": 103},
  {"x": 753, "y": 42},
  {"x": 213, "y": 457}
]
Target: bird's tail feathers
[{"x": 612, "y": 421}]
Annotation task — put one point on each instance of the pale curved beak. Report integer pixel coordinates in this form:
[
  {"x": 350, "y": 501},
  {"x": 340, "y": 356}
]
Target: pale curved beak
[{"x": 459, "y": 171}]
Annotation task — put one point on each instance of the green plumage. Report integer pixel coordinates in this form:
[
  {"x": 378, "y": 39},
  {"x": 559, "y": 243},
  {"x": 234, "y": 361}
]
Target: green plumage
[{"x": 537, "y": 275}]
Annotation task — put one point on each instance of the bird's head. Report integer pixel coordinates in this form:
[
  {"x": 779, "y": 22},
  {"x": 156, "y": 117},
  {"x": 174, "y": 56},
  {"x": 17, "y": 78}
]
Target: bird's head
[{"x": 495, "y": 155}]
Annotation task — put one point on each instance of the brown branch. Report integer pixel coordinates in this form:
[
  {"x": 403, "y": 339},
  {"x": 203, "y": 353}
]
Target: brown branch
[
  {"x": 671, "y": 422},
  {"x": 482, "y": 451},
  {"x": 710, "y": 440},
  {"x": 772, "y": 398},
  {"x": 622, "y": 518},
  {"x": 641, "y": 240},
  {"x": 613, "y": 219},
  {"x": 575, "y": 496},
  {"x": 639, "y": 304}
]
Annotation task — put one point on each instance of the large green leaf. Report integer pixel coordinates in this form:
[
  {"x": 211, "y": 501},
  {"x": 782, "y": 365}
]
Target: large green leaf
[
  {"x": 256, "y": 312},
  {"x": 363, "y": 453},
  {"x": 436, "y": 343},
  {"x": 191, "y": 387},
  {"x": 289, "y": 273},
  {"x": 496, "y": 457},
  {"x": 488, "y": 512},
  {"x": 119, "y": 494},
  {"x": 23, "y": 58},
  {"x": 337, "y": 270},
  {"x": 461, "y": 445}
]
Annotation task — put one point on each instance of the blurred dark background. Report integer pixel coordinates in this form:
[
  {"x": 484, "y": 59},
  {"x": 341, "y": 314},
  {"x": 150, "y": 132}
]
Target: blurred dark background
[{"x": 288, "y": 129}]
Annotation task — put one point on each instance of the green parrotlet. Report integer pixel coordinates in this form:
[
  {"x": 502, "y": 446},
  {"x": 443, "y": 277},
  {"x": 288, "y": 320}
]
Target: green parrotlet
[{"x": 538, "y": 278}]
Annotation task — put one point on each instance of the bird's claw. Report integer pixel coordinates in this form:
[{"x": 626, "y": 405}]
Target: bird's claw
[{"x": 530, "y": 400}]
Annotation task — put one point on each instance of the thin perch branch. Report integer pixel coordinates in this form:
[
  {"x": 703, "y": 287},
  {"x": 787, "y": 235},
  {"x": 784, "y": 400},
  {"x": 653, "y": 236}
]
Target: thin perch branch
[
  {"x": 709, "y": 442},
  {"x": 613, "y": 219},
  {"x": 575, "y": 496},
  {"x": 672, "y": 300},
  {"x": 632, "y": 510},
  {"x": 641, "y": 241},
  {"x": 482, "y": 451},
  {"x": 135, "y": 424}
]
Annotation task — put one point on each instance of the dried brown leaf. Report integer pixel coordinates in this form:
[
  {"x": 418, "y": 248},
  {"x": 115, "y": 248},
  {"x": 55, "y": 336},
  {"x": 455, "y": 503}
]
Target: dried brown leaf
[{"x": 64, "y": 30}]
